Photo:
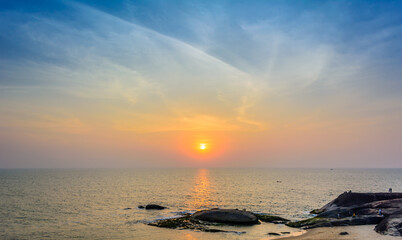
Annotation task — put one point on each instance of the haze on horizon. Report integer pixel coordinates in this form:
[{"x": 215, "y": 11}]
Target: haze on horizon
[{"x": 145, "y": 83}]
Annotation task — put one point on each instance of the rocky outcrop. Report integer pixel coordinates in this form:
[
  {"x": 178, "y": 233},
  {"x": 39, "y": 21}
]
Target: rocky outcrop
[
  {"x": 358, "y": 209},
  {"x": 391, "y": 225},
  {"x": 227, "y": 216},
  {"x": 202, "y": 220},
  {"x": 349, "y": 200},
  {"x": 384, "y": 209},
  {"x": 361, "y": 204}
]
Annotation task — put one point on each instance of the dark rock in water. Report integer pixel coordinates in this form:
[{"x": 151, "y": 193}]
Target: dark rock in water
[
  {"x": 271, "y": 218},
  {"x": 141, "y": 207},
  {"x": 228, "y": 216},
  {"x": 180, "y": 222},
  {"x": 154, "y": 207},
  {"x": 343, "y": 233},
  {"x": 391, "y": 225},
  {"x": 273, "y": 234},
  {"x": 186, "y": 222},
  {"x": 128, "y": 208}
]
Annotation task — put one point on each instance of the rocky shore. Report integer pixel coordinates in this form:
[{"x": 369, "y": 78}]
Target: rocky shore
[{"x": 348, "y": 209}]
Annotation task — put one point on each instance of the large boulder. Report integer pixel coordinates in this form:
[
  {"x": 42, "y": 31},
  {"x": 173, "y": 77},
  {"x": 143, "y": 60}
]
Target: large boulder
[
  {"x": 387, "y": 207},
  {"x": 228, "y": 216},
  {"x": 349, "y": 204},
  {"x": 384, "y": 209},
  {"x": 350, "y": 199},
  {"x": 185, "y": 222},
  {"x": 391, "y": 225}
]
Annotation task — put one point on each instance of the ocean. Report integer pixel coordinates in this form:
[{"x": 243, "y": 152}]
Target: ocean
[{"x": 102, "y": 203}]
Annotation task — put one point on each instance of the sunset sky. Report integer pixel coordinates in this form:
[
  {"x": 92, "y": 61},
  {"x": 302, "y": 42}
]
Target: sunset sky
[{"x": 145, "y": 83}]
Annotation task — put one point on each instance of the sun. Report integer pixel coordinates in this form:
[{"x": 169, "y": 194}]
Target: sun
[{"x": 203, "y": 146}]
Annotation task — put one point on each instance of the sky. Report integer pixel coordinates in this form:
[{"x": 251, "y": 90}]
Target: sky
[{"x": 200, "y": 84}]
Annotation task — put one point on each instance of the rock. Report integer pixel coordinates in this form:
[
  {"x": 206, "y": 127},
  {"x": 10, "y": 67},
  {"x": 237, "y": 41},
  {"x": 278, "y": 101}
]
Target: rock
[
  {"x": 343, "y": 233},
  {"x": 360, "y": 209},
  {"x": 343, "y": 208},
  {"x": 285, "y": 232},
  {"x": 228, "y": 216},
  {"x": 309, "y": 222},
  {"x": 333, "y": 222},
  {"x": 127, "y": 208},
  {"x": 154, "y": 207},
  {"x": 180, "y": 222},
  {"x": 273, "y": 234},
  {"x": 391, "y": 225},
  {"x": 271, "y": 218},
  {"x": 349, "y": 199},
  {"x": 186, "y": 222},
  {"x": 141, "y": 207}
]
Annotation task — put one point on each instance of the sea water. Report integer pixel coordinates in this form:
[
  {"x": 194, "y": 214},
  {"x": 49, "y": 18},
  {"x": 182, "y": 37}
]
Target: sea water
[{"x": 102, "y": 203}]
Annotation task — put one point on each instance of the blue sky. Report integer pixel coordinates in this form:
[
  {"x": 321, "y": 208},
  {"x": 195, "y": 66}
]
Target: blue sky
[{"x": 272, "y": 70}]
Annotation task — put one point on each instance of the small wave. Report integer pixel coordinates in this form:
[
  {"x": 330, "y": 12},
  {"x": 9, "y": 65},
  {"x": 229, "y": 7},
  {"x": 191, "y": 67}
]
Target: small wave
[{"x": 183, "y": 212}]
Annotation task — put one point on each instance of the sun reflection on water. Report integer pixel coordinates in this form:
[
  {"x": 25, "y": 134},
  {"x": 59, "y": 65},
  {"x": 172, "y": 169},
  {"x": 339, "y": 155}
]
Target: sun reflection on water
[{"x": 201, "y": 196}]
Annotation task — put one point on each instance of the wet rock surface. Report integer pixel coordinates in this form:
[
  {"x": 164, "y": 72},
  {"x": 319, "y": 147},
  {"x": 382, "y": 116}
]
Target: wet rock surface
[
  {"x": 271, "y": 218},
  {"x": 332, "y": 222},
  {"x": 391, "y": 225},
  {"x": 350, "y": 202},
  {"x": 350, "y": 209},
  {"x": 186, "y": 222},
  {"x": 227, "y": 216}
]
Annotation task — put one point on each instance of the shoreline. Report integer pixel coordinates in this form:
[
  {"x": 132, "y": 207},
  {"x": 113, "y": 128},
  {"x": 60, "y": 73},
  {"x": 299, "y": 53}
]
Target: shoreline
[{"x": 363, "y": 232}]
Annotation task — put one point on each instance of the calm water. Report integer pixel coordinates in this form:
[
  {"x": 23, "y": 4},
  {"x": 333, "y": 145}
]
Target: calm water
[{"x": 68, "y": 204}]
